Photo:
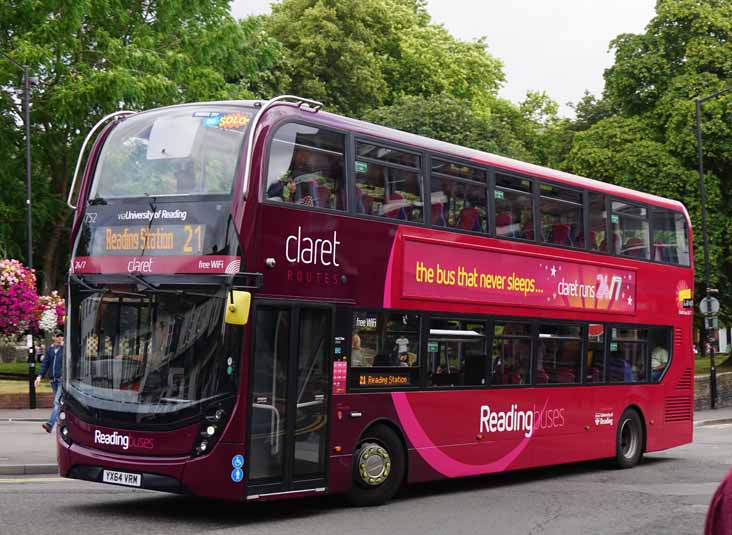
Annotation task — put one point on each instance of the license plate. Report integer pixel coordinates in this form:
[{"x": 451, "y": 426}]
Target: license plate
[{"x": 122, "y": 478}]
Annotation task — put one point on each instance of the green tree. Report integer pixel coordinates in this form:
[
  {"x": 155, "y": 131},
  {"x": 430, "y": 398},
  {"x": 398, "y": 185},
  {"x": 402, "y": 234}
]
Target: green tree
[
  {"x": 453, "y": 120},
  {"x": 97, "y": 56},
  {"x": 642, "y": 134},
  {"x": 357, "y": 56}
]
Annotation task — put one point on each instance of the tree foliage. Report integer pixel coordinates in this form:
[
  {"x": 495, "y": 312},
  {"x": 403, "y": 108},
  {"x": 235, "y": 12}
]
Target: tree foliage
[
  {"x": 357, "y": 56},
  {"x": 93, "y": 57},
  {"x": 642, "y": 133}
]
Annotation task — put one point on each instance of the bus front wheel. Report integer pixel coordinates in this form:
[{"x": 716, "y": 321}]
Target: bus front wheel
[
  {"x": 379, "y": 465},
  {"x": 629, "y": 439}
]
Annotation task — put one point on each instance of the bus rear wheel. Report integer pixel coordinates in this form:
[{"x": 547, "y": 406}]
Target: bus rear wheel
[
  {"x": 379, "y": 464},
  {"x": 629, "y": 439}
]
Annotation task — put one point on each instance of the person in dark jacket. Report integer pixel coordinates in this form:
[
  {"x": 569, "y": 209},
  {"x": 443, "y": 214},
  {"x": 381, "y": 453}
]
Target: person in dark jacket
[
  {"x": 719, "y": 515},
  {"x": 53, "y": 365}
]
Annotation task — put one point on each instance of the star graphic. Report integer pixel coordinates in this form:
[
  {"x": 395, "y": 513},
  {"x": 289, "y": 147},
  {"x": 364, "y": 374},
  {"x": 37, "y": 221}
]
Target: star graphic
[
  {"x": 554, "y": 271},
  {"x": 630, "y": 300}
]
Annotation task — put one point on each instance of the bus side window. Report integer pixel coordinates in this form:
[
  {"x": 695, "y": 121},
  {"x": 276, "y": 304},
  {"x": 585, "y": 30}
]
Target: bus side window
[
  {"x": 630, "y": 226},
  {"x": 514, "y": 208},
  {"x": 456, "y": 353},
  {"x": 511, "y": 355},
  {"x": 597, "y": 234},
  {"x": 558, "y": 354},
  {"x": 627, "y": 362},
  {"x": 306, "y": 167},
  {"x": 561, "y": 216},
  {"x": 670, "y": 237},
  {"x": 595, "y": 354},
  {"x": 659, "y": 340},
  {"x": 385, "y": 344},
  {"x": 459, "y": 196},
  {"x": 388, "y": 183}
]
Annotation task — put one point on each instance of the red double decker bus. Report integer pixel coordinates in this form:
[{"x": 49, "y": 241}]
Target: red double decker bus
[{"x": 267, "y": 300}]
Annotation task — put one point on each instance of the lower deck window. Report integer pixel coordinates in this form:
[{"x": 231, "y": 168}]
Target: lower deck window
[
  {"x": 385, "y": 349},
  {"x": 558, "y": 354},
  {"x": 456, "y": 353},
  {"x": 511, "y": 356}
]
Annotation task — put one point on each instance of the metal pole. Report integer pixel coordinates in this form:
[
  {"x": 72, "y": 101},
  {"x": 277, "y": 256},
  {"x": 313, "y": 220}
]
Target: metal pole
[
  {"x": 712, "y": 368},
  {"x": 32, "y": 348}
]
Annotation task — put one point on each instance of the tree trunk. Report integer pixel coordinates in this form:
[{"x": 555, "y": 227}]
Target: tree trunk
[{"x": 50, "y": 255}]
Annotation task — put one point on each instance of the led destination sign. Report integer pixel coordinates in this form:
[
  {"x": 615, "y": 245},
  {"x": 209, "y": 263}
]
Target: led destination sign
[{"x": 153, "y": 240}]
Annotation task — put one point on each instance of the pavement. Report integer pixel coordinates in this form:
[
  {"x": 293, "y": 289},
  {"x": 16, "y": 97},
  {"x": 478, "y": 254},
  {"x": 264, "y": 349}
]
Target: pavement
[{"x": 25, "y": 448}]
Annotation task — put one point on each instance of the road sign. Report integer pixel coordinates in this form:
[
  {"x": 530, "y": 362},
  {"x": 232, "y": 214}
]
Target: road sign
[
  {"x": 711, "y": 323},
  {"x": 709, "y": 306}
]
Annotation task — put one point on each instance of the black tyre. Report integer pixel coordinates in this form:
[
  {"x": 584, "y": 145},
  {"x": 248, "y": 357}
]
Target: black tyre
[
  {"x": 379, "y": 464},
  {"x": 629, "y": 439}
]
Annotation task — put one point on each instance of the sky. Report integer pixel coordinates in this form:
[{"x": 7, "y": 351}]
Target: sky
[{"x": 557, "y": 46}]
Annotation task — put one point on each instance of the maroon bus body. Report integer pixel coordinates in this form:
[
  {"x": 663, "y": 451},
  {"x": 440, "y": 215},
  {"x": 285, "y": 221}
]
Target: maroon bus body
[{"x": 441, "y": 429}]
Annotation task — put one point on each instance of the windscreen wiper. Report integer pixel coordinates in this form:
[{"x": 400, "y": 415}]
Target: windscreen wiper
[
  {"x": 137, "y": 277},
  {"x": 78, "y": 279}
]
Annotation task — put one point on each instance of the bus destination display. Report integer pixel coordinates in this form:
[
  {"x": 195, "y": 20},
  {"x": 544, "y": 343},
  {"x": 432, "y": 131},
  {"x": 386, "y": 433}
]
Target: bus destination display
[{"x": 153, "y": 240}]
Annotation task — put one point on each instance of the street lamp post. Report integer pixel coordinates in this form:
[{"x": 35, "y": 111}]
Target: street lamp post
[
  {"x": 26, "y": 119},
  {"x": 707, "y": 283}
]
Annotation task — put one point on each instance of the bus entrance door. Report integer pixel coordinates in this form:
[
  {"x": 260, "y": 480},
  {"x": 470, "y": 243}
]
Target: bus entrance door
[{"x": 288, "y": 427}]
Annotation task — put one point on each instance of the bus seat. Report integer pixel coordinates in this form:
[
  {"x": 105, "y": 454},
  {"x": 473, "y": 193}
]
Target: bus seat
[
  {"x": 565, "y": 375},
  {"x": 324, "y": 196},
  {"x": 581, "y": 240},
  {"x": 634, "y": 247},
  {"x": 469, "y": 219},
  {"x": 504, "y": 225},
  {"x": 398, "y": 211},
  {"x": 560, "y": 234},
  {"x": 438, "y": 215},
  {"x": 527, "y": 230},
  {"x": 541, "y": 376},
  {"x": 367, "y": 203},
  {"x": 660, "y": 252}
]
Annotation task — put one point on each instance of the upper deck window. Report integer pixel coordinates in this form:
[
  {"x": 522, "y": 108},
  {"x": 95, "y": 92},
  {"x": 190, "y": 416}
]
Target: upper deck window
[
  {"x": 597, "y": 234},
  {"x": 514, "y": 208},
  {"x": 306, "y": 167},
  {"x": 631, "y": 234},
  {"x": 388, "y": 183},
  {"x": 561, "y": 215},
  {"x": 459, "y": 196},
  {"x": 176, "y": 151},
  {"x": 670, "y": 239}
]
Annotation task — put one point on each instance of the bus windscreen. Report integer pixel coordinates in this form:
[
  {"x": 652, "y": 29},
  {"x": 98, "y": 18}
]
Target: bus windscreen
[{"x": 179, "y": 151}]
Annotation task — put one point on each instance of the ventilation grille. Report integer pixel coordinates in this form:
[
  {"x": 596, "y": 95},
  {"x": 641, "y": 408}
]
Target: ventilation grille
[
  {"x": 678, "y": 408},
  {"x": 685, "y": 381},
  {"x": 677, "y": 337}
]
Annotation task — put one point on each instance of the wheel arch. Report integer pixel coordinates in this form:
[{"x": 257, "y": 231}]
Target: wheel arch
[{"x": 635, "y": 407}]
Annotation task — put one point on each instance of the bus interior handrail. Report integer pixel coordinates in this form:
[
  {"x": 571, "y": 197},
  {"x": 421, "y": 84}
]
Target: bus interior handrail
[
  {"x": 274, "y": 435},
  {"x": 101, "y": 121},
  {"x": 303, "y": 103}
]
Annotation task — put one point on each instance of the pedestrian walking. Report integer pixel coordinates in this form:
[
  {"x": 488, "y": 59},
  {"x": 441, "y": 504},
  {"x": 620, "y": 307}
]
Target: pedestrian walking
[{"x": 53, "y": 364}]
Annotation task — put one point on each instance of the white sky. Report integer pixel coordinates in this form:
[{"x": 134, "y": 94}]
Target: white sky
[{"x": 557, "y": 46}]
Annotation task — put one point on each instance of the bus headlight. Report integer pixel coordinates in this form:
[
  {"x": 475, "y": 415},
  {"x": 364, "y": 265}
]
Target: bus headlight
[
  {"x": 211, "y": 427},
  {"x": 65, "y": 436}
]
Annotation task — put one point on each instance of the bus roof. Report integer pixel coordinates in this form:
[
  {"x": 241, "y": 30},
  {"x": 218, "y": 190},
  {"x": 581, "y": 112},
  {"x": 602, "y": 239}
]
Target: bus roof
[{"x": 418, "y": 142}]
